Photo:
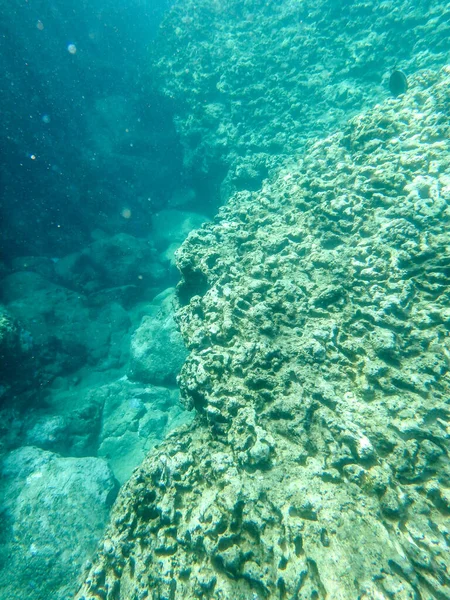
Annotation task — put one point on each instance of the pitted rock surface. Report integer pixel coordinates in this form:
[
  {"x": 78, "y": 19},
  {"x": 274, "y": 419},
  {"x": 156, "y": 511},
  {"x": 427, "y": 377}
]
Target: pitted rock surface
[
  {"x": 316, "y": 313},
  {"x": 251, "y": 81}
]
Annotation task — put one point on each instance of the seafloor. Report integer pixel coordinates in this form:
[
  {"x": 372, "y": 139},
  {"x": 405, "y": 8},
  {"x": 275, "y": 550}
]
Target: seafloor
[{"x": 314, "y": 317}]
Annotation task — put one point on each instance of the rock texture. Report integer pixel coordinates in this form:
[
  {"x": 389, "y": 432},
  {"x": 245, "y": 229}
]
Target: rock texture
[
  {"x": 252, "y": 80},
  {"x": 157, "y": 350},
  {"x": 53, "y": 512},
  {"x": 316, "y": 315},
  {"x": 135, "y": 418}
]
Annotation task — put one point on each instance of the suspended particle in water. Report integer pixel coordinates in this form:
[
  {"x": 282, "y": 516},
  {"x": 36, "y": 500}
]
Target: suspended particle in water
[
  {"x": 33, "y": 156},
  {"x": 72, "y": 49},
  {"x": 46, "y": 118},
  {"x": 40, "y": 25},
  {"x": 126, "y": 213}
]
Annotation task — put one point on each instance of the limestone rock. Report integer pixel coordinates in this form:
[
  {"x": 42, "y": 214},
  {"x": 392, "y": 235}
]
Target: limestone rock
[
  {"x": 253, "y": 81},
  {"x": 157, "y": 348},
  {"x": 53, "y": 512},
  {"x": 60, "y": 330},
  {"x": 135, "y": 418},
  {"x": 316, "y": 315},
  {"x": 111, "y": 262}
]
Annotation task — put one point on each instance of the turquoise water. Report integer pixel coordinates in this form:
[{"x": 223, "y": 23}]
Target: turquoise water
[{"x": 124, "y": 128}]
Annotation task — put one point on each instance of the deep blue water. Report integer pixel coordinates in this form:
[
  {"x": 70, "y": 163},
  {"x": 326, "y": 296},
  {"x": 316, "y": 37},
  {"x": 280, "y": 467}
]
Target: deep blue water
[{"x": 61, "y": 151}]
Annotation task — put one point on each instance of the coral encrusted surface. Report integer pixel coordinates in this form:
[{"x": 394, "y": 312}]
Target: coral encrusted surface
[
  {"x": 316, "y": 313},
  {"x": 252, "y": 80}
]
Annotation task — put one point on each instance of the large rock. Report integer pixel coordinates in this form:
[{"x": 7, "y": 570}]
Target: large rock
[
  {"x": 118, "y": 420},
  {"x": 135, "y": 418},
  {"x": 54, "y": 318},
  {"x": 70, "y": 420},
  {"x": 53, "y": 511},
  {"x": 316, "y": 313},
  {"x": 60, "y": 328},
  {"x": 116, "y": 261},
  {"x": 157, "y": 348},
  {"x": 252, "y": 81},
  {"x": 173, "y": 226}
]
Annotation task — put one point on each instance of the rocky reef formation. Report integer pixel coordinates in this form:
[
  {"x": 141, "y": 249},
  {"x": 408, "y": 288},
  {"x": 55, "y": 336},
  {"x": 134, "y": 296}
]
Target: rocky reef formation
[
  {"x": 252, "y": 80},
  {"x": 90, "y": 95},
  {"x": 316, "y": 313},
  {"x": 65, "y": 449},
  {"x": 53, "y": 511},
  {"x": 82, "y": 401}
]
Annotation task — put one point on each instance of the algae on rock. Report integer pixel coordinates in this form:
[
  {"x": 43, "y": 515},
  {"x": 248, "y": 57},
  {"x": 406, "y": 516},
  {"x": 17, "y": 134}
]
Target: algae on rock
[
  {"x": 252, "y": 81},
  {"x": 316, "y": 315}
]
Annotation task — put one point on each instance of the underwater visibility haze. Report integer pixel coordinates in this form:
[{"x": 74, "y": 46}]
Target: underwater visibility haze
[{"x": 224, "y": 300}]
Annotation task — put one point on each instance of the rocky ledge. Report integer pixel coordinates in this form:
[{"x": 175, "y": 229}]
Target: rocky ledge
[{"x": 316, "y": 313}]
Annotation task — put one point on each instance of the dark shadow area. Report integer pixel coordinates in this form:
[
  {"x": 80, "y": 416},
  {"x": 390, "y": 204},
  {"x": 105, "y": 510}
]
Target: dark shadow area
[{"x": 85, "y": 142}]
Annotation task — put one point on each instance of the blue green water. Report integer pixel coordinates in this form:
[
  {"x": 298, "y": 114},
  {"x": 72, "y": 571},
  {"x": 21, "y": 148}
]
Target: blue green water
[{"x": 74, "y": 80}]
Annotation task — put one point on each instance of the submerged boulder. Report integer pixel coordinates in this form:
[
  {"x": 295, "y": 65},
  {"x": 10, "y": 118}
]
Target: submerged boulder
[
  {"x": 112, "y": 262},
  {"x": 53, "y": 511},
  {"x": 135, "y": 418},
  {"x": 157, "y": 348},
  {"x": 60, "y": 331}
]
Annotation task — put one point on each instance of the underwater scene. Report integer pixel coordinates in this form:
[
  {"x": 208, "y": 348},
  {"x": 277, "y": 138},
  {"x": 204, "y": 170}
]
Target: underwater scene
[{"x": 225, "y": 300}]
